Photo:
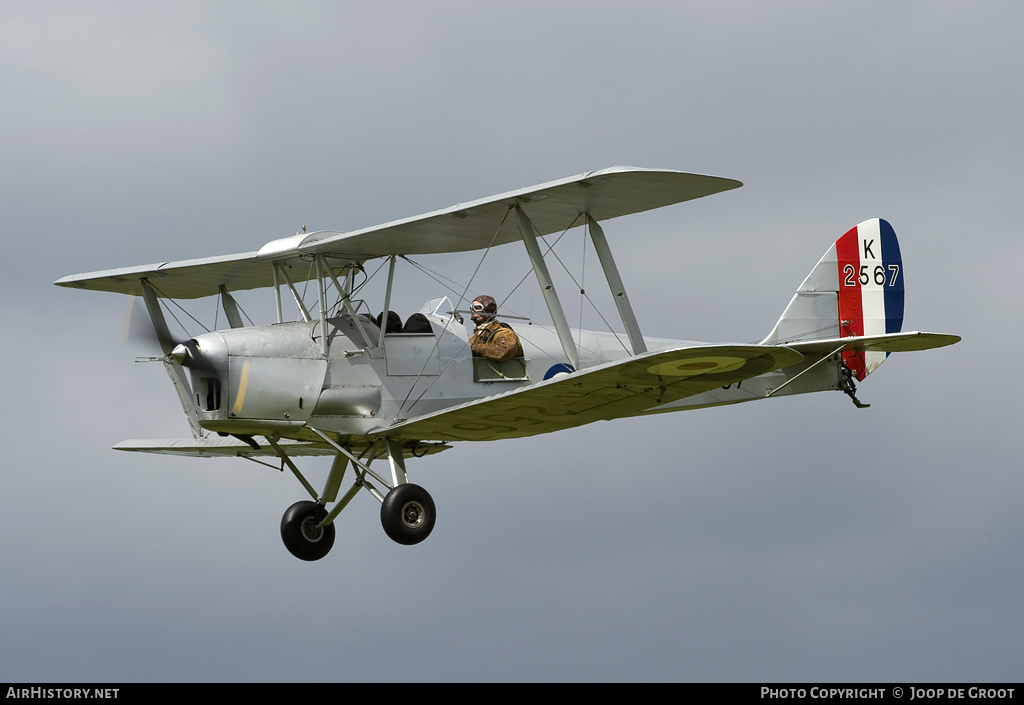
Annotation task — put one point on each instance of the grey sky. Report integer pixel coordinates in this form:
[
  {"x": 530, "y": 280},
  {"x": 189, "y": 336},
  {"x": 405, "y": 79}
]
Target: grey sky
[{"x": 798, "y": 539}]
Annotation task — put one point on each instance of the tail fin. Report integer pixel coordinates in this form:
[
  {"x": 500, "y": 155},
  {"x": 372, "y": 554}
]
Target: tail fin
[{"x": 856, "y": 289}]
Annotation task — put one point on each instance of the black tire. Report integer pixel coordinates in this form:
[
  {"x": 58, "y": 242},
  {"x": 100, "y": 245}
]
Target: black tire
[
  {"x": 300, "y": 535},
  {"x": 408, "y": 514}
]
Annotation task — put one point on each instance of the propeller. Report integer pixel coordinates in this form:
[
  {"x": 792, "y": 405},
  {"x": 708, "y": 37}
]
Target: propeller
[{"x": 140, "y": 328}]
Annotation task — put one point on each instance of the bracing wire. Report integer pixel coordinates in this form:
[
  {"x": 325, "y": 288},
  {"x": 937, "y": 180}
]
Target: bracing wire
[
  {"x": 550, "y": 249},
  {"x": 446, "y": 283},
  {"x": 366, "y": 280},
  {"x": 437, "y": 341},
  {"x": 584, "y": 295},
  {"x": 180, "y": 308}
]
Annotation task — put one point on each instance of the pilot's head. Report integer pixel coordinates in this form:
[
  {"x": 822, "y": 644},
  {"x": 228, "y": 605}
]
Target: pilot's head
[{"x": 484, "y": 309}]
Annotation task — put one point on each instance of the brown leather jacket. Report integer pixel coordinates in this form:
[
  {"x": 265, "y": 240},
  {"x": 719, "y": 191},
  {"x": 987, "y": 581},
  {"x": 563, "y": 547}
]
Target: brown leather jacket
[{"x": 495, "y": 341}]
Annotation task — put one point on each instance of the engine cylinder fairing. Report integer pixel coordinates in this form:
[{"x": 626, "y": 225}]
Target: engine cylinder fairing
[{"x": 255, "y": 380}]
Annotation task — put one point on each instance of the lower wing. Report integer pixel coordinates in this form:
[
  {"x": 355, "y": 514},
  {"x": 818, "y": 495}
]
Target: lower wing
[{"x": 613, "y": 390}]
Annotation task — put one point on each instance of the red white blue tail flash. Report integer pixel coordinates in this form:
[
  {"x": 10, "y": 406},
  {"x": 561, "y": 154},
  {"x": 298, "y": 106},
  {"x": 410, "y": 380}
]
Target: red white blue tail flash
[{"x": 870, "y": 289}]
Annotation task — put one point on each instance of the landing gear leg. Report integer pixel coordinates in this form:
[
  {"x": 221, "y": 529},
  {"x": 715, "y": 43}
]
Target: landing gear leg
[
  {"x": 306, "y": 528},
  {"x": 407, "y": 512}
]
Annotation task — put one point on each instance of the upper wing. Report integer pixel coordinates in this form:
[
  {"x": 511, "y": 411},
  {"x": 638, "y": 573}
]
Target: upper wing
[
  {"x": 187, "y": 279},
  {"x": 609, "y": 391},
  {"x": 552, "y": 207}
]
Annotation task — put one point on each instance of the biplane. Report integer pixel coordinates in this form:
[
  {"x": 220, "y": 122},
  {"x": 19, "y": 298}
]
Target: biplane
[{"x": 343, "y": 382}]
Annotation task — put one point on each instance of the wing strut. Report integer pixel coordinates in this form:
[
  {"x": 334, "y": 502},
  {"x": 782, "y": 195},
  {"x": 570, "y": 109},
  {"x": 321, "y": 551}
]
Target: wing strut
[
  {"x": 611, "y": 273},
  {"x": 345, "y": 294},
  {"x": 175, "y": 371},
  {"x": 277, "y": 295},
  {"x": 230, "y": 307},
  {"x": 279, "y": 268},
  {"x": 529, "y": 234},
  {"x": 387, "y": 303},
  {"x": 322, "y": 300}
]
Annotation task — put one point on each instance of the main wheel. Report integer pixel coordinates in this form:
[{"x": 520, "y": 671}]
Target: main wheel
[
  {"x": 407, "y": 514},
  {"x": 301, "y": 535}
]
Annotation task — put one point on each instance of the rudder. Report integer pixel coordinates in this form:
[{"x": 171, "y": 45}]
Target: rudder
[{"x": 856, "y": 289}]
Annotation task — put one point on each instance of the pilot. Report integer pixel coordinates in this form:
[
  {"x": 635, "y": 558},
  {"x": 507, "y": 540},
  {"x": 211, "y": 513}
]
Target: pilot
[{"x": 491, "y": 338}]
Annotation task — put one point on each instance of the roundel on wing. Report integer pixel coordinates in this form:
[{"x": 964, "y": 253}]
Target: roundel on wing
[{"x": 690, "y": 367}]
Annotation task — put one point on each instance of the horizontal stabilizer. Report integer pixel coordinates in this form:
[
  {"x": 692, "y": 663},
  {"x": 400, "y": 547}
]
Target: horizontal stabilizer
[
  {"x": 614, "y": 390},
  {"x": 889, "y": 342}
]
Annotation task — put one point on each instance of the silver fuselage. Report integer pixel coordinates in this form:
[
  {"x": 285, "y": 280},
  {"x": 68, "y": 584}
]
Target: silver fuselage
[{"x": 275, "y": 379}]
